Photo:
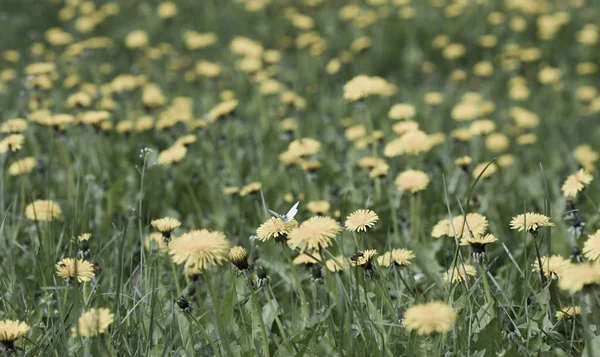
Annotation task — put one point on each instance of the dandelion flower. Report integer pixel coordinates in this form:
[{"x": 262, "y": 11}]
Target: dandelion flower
[
  {"x": 578, "y": 276},
  {"x": 136, "y": 39},
  {"x": 576, "y": 183},
  {"x": 172, "y": 155},
  {"x": 252, "y": 187},
  {"x": 13, "y": 142},
  {"x": 552, "y": 266},
  {"x": 239, "y": 257},
  {"x": 84, "y": 237},
  {"x": 412, "y": 143},
  {"x": 402, "y": 111},
  {"x": 484, "y": 170},
  {"x": 275, "y": 228},
  {"x": 530, "y": 222},
  {"x": 165, "y": 226},
  {"x": 475, "y": 226},
  {"x": 69, "y": 268},
  {"x": 304, "y": 147},
  {"x": 459, "y": 273},
  {"x": 412, "y": 180},
  {"x": 361, "y": 220},
  {"x": 318, "y": 207},
  {"x": 442, "y": 228},
  {"x": 43, "y": 210},
  {"x": 463, "y": 162},
  {"x": 93, "y": 322},
  {"x": 568, "y": 312},
  {"x": 337, "y": 264},
  {"x": 23, "y": 166},
  {"x": 314, "y": 233},
  {"x": 198, "y": 249},
  {"x": 591, "y": 247},
  {"x": 431, "y": 317},
  {"x": 304, "y": 258},
  {"x": 12, "y": 330},
  {"x": 397, "y": 256},
  {"x": 363, "y": 258},
  {"x": 155, "y": 239}
]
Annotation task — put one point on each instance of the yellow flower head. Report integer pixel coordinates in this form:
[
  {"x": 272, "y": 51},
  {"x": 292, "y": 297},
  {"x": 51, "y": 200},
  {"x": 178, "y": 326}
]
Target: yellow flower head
[
  {"x": 165, "y": 225},
  {"x": 314, "y": 233},
  {"x": 172, "y": 155},
  {"x": 568, "y": 312},
  {"x": 479, "y": 169},
  {"x": 69, "y": 268},
  {"x": 155, "y": 239},
  {"x": 304, "y": 147},
  {"x": 93, "y": 322},
  {"x": 84, "y": 236},
  {"x": 43, "y": 210},
  {"x": 275, "y": 228},
  {"x": 413, "y": 142},
  {"x": 402, "y": 111},
  {"x": 576, "y": 183},
  {"x": 591, "y": 247},
  {"x": 361, "y": 220},
  {"x": 552, "y": 266},
  {"x": 397, "y": 257},
  {"x": 304, "y": 258},
  {"x": 336, "y": 264},
  {"x": 478, "y": 240},
  {"x": 530, "y": 222},
  {"x": 13, "y": 142},
  {"x": 11, "y": 330},
  {"x": 578, "y": 276},
  {"x": 239, "y": 257},
  {"x": 23, "y": 166},
  {"x": 412, "y": 180},
  {"x": 252, "y": 187},
  {"x": 459, "y": 273},
  {"x": 363, "y": 258},
  {"x": 318, "y": 207},
  {"x": 430, "y": 318},
  {"x": 198, "y": 249}
]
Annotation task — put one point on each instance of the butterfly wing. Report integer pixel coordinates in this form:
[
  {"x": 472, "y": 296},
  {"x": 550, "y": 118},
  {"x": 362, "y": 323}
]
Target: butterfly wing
[{"x": 292, "y": 212}]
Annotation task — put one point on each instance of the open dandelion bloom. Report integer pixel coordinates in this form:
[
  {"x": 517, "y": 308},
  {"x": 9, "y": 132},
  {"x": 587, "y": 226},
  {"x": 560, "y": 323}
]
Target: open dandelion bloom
[
  {"x": 93, "y": 322},
  {"x": 239, "y": 257},
  {"x": 442, "y": 228},
  {"x": 318, "y": 207},
  {"x": 165, "y": 225},
  {"x": 314, "y": 233},
  {"x": 198, "y": 249},
  {"x": 530, "y": 222},
  {"x": 478, "y": 240},
  {"x": 361, "y": 220},
  {"x": 12, "y": 330},
  {"x": 591, "y": 247},
  {"x": 576, "y": 183},
  {"x": 304, "y": 147},
  {"x": 402, "y": 111},
  {"x": 275, "y": 228},
  {"x": 363, "y": 258},
  {"x": 411, "y": 143},
  {"x": 304, "y": 258},
  {"x": 13, "y": 142},
  {"x": 337, "y": 264},
  {"x": 412, "y": 180},
  {"x": 553, "y": 266},
  {"x": 84, "y": 237},
  {"x": 22, "y": 167},
  {"x": 396, "y": 256},
  {"x": 568, "y": 312},
  {"x": 473, "y": 227},
  {"x": 480, "y": 169},
  {"x": 463, "y": 161},
  {"x": 460, "y": 273},
  {"x": 430, "y": 318},
  {"x": 579, "y": 276},
  {"x": 250, "y": 188},
  {"x": 70, "y": 268},
  {"x": 43, "y": 210},
  {"x": 172, "y": 155}
]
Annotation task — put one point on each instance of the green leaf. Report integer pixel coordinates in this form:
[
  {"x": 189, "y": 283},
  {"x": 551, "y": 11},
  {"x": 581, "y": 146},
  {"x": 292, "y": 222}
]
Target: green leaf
[
  {"x": 227, "y": 306},
  {"x": 489, "y": 339},
  {"x": 594, "y": 347},
  {"x": 268, "y": 313}
]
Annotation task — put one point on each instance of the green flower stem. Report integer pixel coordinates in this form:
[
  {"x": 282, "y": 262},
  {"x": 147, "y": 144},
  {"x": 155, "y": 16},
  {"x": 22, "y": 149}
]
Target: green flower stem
[{"x": 488, "y": 293}]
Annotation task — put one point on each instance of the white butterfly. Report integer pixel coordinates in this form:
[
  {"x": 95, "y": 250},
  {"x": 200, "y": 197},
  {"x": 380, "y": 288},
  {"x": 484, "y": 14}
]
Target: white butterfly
[{"x": 288, "y": 216}]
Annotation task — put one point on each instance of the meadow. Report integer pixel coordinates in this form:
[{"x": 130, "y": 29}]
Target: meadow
[{"x": 299, "y": 178}]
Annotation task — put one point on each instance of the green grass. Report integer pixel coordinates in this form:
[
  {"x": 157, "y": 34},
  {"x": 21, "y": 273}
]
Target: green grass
[{"x": 107, "y": 186}]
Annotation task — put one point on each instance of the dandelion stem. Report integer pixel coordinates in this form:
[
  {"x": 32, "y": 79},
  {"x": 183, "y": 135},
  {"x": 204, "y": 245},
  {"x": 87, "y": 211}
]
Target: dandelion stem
[{"x": 488, "y": 293}]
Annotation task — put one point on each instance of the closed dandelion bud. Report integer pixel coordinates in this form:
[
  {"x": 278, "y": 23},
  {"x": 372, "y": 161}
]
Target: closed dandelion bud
[
  {"x": 261, "y": 277},
  {"x": 184, "y": 305},
  {"x": 239, "y": 257}
]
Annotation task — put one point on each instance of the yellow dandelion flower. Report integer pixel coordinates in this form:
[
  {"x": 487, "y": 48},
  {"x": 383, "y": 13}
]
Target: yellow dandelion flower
[
  {"x": 15, "y": 125},
  {"x": 463, "y": 162},
  {"x": 198, "y": 249},
  {"x": 591, "y": 247},
  {"x": 239, "y": 257},
  {"x": 12, "y": 330},
  {"x": 361, "y": 220},
  {"x": 396, "y": 256},
  {"x": 318, "y": 207},
  {"x": 70, "y": 268},
  {"x": 136, "y": 39},
  {"x": 84, "y": 237},
  {"x": 480, "y": 169},
  {"x": 568, "y": 312},
  {"x": 304, "y": 258},
  {"x": 412, "y": 180},
  {"x": 172, "y": 155},
  {"x": 363, "y": 258},
  {"x": 368, "y": 162},
  {"x": 166, "y": 10},
  {"x": 478, "y": 240},
  {"x": 165, "y": 225},
  {"x": 230, "y": 190},
  {"x": 431, "y": 317},
  {"x": 337, "y": 264},
  {"x": 402, "y": 111},
  {"x": 579, "y": 276},
  {"x": 475, "y": 226},
  {"x": 43, "y": 210},
  {"x": 275, "y": 228},
  {"x": 304, "y": 147},
  {"x": 460, "y": 273},
  {"x": 442, "y": 228},
  {"x": 586, "y": 156},
  {"x": 155, "y": 239},
  {"x": 23, "y": 166},
  {"x": 552, "y": 266},
  {"x": 314, "y": 233},
  {"x": 250, "y": 188},
  {"x": 13, "y": 142},
  {"x": 380, "y": 170},
  {"x": 93, "y": 322},
  {"x": 411, "y": 143},
  {"x": 530, "y": 222},
  {"x": 572, "y": 186}
]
